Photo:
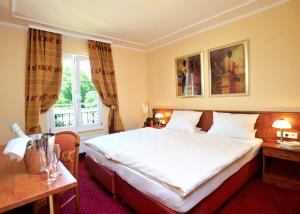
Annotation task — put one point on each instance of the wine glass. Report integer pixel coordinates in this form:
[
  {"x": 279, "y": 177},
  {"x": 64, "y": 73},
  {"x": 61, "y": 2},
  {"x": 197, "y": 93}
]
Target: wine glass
[
  {"x": 56, "y": 155},
  {"x": 47, "y": 160}
]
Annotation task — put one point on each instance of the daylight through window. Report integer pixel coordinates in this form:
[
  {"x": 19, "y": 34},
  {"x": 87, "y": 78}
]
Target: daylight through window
[{"x": 78, "y": 107}]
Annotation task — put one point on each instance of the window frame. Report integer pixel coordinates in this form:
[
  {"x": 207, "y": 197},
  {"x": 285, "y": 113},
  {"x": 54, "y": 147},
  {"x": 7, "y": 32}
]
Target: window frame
[{"x": 76, "y": 58}]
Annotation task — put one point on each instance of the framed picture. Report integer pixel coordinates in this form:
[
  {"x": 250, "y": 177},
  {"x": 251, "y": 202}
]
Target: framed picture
[
  {"x": 189, "y": 75},
  {"x": 228, "y": 70}
]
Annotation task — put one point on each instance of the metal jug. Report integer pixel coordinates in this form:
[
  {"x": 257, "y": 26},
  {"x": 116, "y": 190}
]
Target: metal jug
[{"x": 35, "y": 151}]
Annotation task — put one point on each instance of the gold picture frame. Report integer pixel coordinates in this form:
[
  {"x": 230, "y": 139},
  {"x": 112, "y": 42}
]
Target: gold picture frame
[
  {"x": 229, "y": 70},
  {"x": 189, "y": 75}
]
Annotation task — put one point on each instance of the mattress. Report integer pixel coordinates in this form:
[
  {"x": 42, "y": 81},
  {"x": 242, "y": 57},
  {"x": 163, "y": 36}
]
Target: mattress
[
  {"x": 149, "y": 151},
  {"x": 100, "y": 158},
  {"x": 166, "y": 196}
]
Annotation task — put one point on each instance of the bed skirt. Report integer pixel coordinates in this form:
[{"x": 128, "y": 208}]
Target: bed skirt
[
  {"x": 105, "y": 176},
  {"x": 144, "y": 204}
]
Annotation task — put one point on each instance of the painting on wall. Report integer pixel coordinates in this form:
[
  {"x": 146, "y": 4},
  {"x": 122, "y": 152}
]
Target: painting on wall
[
  {"x": 189, "y": 75},
  {"x": 228, "y": 68}
]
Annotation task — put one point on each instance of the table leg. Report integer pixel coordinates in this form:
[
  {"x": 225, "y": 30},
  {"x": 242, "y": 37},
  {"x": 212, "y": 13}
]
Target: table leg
[
  {"x": 54, "y": 204},
  {"x": 51, "y": 206}
]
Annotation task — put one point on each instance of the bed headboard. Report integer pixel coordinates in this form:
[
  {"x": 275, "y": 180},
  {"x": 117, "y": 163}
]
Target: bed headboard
[{"x": 263, "y": 123}]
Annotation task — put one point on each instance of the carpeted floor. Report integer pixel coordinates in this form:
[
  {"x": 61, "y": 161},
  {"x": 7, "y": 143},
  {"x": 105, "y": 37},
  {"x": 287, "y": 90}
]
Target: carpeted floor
[{"x": 254, "y": 197}]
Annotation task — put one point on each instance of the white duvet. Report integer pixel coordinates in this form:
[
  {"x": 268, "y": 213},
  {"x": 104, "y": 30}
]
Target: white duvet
[{"x": 180, "y": 161}]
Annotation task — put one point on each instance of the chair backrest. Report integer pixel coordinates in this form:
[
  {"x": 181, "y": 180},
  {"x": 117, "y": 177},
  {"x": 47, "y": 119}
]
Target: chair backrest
[{"x": 69, "y": 150}]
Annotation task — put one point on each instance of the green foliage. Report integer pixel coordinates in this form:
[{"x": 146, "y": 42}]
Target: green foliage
[
  {"x": 65, "y": 96},
  {"x": 61, "y": 101},
  {"x": 85, "y": 86},
  {"x": 59, "y": 124},
  {"x": 91, "y": 99},
  {"x": 88, "y": 94}
]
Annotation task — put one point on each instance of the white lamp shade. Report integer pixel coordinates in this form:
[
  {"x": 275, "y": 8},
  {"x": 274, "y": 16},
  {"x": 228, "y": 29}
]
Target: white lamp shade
[
  {"x": 159, "y": 115},
  {"x": 281, "y": 124}
]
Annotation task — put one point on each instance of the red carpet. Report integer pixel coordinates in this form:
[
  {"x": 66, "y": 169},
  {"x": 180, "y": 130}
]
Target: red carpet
[
  {"x": 93, "y": 197},
  {"x": 258, "y": 197},
  {"x": 254, "y": 197}
]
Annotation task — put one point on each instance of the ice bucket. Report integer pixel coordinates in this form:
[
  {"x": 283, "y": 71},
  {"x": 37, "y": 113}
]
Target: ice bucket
[{"x": 35, "y": 151}]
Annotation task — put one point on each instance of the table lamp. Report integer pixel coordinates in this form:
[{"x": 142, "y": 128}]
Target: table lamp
[
  {"x": 281, "y": 124},
  {"x": 159, "y": 116}
]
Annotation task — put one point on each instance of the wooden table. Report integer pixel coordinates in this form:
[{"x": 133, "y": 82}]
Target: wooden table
[
  {"x": 281, "y": 166},
  {"x": 18, "y": 188}
]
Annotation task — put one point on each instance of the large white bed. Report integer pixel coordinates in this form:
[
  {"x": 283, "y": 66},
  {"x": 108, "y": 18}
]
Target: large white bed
[{"x": 108, "y": 156}]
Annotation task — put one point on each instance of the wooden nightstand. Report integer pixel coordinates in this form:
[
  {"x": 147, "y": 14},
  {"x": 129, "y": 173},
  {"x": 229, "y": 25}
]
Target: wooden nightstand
[{"x": 281, "y": 167}]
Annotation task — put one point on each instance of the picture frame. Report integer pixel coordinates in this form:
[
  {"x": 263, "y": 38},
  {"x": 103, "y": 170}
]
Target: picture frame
[
  {"x": 229, "y": 70},
  {"x": 189, "y": 75}
]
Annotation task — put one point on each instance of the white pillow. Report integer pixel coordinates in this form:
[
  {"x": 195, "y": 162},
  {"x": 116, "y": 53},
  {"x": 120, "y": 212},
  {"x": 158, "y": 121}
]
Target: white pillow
[
  {"x": 234, "y": 125},
  {"x": 184, "y": 120}
]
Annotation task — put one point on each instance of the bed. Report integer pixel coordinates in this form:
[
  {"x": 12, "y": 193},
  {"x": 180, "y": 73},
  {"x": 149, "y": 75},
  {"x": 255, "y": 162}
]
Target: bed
[{"x": 130, "y": 183}]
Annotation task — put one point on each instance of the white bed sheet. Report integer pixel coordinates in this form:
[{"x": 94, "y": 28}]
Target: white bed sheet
[
  {"x": 100, "y": 158},
  {"x": 149, "y": 150},
  {"x": 166, "y": 196}
]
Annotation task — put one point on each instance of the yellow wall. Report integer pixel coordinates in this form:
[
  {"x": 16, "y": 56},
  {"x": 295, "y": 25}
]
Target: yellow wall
[
  {"x": 12, "y": 79},
  {"x": 273, "y": 57},
  {"x": 130, "y": 67},
  {"x": 298, "y": 36}
]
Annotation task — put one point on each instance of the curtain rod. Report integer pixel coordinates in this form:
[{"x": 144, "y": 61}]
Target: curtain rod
[{"x": 69, "y": 34}]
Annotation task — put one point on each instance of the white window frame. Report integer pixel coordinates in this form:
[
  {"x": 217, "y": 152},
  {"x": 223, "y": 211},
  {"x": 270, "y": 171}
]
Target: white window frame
[{"x": 76, "y": 102}]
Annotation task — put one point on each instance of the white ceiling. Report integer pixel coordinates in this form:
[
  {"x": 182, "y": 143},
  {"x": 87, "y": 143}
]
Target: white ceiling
[{"x": 137, "y": 23}]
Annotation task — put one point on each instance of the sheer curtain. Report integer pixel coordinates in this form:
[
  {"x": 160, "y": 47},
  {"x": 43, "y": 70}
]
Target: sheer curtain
[
  {"x": 103, "y": 77},
  {"x": 43, "y": 75}
]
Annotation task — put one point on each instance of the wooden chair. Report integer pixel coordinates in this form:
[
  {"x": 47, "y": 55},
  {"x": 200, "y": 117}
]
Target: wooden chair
[{"x": 69, "y": 155}]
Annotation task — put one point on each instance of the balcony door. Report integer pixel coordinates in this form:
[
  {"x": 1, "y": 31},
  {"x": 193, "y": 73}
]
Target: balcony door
[{"x": 78, "y": 107}]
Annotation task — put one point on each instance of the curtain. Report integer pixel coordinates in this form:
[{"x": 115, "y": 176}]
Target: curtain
[
  {"x": 43, "y": 75},
  {"x": 103, "y": 77}
]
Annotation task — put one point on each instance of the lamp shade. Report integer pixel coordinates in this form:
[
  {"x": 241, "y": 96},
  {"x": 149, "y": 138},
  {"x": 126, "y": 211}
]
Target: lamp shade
[
  {"x": 159, "y": 115},
  {"x": 281, "y": 124}
]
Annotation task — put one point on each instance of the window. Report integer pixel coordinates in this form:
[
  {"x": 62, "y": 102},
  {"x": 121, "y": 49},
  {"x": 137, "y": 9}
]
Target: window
[{"x": 78, "y": 107}]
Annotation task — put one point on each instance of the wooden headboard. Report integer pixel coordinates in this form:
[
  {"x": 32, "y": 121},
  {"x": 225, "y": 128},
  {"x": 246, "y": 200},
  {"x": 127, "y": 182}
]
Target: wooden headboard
[{"x": 263, "y": 123}]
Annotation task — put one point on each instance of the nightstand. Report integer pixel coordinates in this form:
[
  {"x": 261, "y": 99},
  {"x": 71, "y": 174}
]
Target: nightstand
[{"x": 281, "y": 167}]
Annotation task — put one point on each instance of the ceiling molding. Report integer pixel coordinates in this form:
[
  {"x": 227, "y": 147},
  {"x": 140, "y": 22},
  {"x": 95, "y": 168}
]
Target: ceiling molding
[
  {"x": 218, "y": 25},
  {"x": 12, "y": 25},
  {"x": 129, "y": 48},
  {"x": 67, "y": 35},
  {"x": 141, "y": 47},
  {"x": 62, "y": 28},
  {"x": 70, "y": 34},
  {"x": 202, "y": 21}
]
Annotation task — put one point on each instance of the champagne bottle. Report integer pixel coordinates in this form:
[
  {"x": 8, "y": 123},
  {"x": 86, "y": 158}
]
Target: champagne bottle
[{"x": 18, "y": 131}]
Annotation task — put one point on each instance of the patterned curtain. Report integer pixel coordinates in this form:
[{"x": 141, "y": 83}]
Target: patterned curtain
[
  {"x": 103, "y": 77},
  {"x": 43, "y": 75}
]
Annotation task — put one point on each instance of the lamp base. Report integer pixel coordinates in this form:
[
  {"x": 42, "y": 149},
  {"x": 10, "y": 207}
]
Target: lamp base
[{"x": 280, "y": 141}]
